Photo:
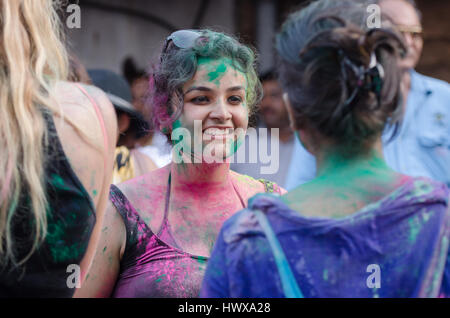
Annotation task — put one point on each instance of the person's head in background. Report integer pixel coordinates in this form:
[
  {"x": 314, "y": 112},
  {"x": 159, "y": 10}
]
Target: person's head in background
[
  {"x": 341, "y": 81},
  {"x": 131, "y": 124},
  {"x": 272, "y": 108},
  {"x": 406, "y": 16},
  {"x": 138, "y": 80}
]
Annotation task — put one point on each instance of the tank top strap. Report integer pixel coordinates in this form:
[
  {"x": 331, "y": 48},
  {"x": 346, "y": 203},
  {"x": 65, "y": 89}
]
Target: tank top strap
[
  {"x": 128, "y": 213},
  {"x": 165, "y": 232}
]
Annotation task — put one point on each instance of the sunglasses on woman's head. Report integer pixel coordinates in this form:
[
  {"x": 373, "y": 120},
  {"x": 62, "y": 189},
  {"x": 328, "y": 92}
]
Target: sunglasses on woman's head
[{"x": 183, "y": 39}]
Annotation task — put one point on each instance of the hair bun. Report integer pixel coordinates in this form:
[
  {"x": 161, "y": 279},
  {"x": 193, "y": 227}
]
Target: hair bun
[{"x": 345, "y": 83}]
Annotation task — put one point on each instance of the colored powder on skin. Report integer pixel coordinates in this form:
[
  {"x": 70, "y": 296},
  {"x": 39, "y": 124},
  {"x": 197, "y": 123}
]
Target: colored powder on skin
[
  {"x": 104, "y": 249},
  {"x": 215, "y": 76},
  {"x": 216, "y": 68},
  {"x": 94, "y": 192}
]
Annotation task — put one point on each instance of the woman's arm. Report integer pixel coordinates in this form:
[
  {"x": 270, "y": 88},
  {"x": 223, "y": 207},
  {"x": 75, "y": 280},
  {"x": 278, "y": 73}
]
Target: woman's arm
[
  {"x": 102, "y": 275},
  {"x": 89, "y": 147}
]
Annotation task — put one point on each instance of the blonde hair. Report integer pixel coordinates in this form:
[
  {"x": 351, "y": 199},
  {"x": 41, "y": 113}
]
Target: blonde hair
[{"x": 32, "y": 59}]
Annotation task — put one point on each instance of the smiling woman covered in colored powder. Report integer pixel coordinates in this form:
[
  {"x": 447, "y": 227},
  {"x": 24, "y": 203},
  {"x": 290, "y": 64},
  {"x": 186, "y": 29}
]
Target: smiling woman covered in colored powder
[
  {"x": 358, "y": 229},
  {"x": 162, "y": 226}
]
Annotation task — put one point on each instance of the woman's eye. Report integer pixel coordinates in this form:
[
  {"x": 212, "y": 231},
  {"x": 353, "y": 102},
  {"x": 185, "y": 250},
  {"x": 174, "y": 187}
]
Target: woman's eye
[
  {"x": 235, "y": 99},
  {"x": 200, "y": 100}
]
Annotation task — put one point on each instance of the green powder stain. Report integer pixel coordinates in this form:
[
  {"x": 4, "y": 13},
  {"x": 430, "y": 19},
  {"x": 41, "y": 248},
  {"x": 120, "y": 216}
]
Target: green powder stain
[
  {"x": 94, "y": 192},
  {"x": 60, "y": 250},
  {"x": 216, "y": 68},
  {"x": 160, "y": 278},
  {"x": 344, "y": 174},
  {"x": 217, "y": 74},
  {"x": 104, "y": 229},
  {"x": 414, "y": 229},
  {"x": 58, "y": 182},
  {"x": 426, "y": 216},
  {"x": 104, "y": 249},
  {"x": 375, "y": 293},
  {"x": 325, "y": 274}
]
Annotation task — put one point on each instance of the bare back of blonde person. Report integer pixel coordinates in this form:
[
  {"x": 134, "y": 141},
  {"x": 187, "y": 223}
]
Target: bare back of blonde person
[{"x": 92, "y": 167}]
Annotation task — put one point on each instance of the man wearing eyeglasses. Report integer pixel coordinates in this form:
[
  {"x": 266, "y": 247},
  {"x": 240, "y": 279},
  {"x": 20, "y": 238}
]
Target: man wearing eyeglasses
[{"x": 422, "y": 146}]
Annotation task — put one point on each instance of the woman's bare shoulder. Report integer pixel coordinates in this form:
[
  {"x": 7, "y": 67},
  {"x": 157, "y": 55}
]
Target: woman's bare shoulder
[
  {"x": 75, "y": 102},
  {"x": 147, "y": 194},
  {"x": 249, "y": 186}
]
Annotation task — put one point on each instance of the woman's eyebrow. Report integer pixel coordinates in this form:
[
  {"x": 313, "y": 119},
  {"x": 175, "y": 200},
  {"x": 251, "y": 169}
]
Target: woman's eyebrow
[
  {"x": 198, "y": 88},
  {"x": 236, "y": 88}
]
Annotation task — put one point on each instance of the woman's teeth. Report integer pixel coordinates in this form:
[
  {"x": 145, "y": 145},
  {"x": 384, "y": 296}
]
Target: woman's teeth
[{"x": 216, "y": 131}]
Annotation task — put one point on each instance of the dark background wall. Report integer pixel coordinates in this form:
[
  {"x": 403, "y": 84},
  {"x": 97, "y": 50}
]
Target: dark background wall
[{"x": 435, "y": 59}]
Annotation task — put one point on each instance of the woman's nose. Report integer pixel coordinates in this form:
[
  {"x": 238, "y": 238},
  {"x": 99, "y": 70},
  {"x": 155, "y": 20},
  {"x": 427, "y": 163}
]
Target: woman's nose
[{"x": 220, "y": 111}]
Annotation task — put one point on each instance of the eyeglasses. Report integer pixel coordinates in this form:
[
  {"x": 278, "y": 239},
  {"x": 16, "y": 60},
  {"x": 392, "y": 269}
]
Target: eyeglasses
[
  {"x": 183, "y": 39},
  {"x": 415, "y": 31}
]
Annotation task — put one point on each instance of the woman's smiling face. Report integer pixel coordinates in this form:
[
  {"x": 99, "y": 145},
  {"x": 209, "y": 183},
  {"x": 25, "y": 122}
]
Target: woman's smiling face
[{"x": 215, "y": 98}]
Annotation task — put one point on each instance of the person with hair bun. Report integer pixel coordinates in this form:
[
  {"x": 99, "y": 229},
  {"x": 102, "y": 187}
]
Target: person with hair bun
[
  {"x": 160, "y": 227},
  {"x": 358, "y": 229}
]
